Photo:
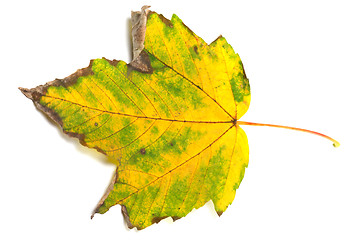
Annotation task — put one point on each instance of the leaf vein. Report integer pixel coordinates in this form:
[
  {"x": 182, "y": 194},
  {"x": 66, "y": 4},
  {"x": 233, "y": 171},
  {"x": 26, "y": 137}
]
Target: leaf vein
[
  {"x": 137, "y": 116},
  {"x": 114, "y": 133},
  {"x": 141, "y": 92},
  {"x": 124, "y": 92},
  {"x": 193, "y": 84},
  {"x": 116, "y": 149},
  {"x": 186, "y": 161}
]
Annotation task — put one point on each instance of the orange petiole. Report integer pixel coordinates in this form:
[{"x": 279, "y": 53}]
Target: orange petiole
[{"x": 335, "y": 143}]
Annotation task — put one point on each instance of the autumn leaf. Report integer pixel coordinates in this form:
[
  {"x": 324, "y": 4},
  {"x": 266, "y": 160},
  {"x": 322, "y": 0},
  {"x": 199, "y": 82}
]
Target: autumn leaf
[{"x": 168, "y": 120}]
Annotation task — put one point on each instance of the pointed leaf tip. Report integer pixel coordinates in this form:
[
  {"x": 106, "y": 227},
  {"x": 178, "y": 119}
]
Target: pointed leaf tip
[{"x": 26, "y": 92}]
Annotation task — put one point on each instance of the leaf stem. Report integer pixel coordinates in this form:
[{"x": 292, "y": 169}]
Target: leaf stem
[{"x": 335, "y": 143}]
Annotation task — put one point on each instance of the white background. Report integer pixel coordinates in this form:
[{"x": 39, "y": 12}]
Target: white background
[{"x": 298, "y": 57}]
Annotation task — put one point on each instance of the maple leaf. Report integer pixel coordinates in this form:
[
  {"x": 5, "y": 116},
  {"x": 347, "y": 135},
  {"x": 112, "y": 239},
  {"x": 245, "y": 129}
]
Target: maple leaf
[{"x": 168, "y": 120}]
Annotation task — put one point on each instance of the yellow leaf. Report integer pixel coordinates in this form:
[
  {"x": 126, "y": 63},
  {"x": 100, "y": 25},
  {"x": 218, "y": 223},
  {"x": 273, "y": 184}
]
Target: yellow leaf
[{"x": 168, "y": 120}]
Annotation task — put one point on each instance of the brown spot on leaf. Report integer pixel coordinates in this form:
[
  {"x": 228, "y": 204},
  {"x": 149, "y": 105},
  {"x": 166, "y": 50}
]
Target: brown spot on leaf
[
  {"x": 196, "y": 50},
  {"x": 143, "y": 151}
]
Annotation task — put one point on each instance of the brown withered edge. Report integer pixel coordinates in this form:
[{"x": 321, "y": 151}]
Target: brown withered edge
[
  {"x": 36, "y": 93},
  {"x": 140, "y": 63}
]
